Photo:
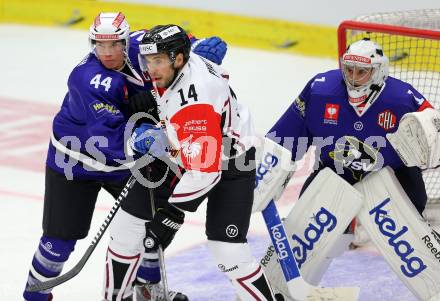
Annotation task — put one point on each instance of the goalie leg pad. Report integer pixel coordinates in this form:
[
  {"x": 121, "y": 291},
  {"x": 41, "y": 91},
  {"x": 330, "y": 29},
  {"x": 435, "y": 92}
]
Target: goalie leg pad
[
  {"x": 405, "y": 240},
  {"x": 246, "y": 275},
  {"x": 315, "y": 228},
  {"x": 124, "y": 255}
]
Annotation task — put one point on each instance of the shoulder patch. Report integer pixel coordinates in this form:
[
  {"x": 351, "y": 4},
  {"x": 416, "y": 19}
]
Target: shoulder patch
[{"x": 300, "y": 105}]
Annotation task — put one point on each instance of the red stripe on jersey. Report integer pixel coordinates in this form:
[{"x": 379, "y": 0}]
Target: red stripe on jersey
[
  {"x": 425, "y": 105},
  {"x": 200, "y": 137},
  {"x": 228, "y": 104}
]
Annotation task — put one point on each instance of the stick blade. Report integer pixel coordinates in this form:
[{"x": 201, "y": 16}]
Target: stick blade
[
  {"x": 42, "y": 286},
  {"x": 51, "y": 283},
  {"x": 333, "y": 294}
]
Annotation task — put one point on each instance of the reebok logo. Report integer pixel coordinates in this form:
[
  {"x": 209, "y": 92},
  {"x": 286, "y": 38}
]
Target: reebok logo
[
  {"x": 269, "y": 253},
  {"x": 431, "y": 247},
  {"x": 223, "y": 268}
]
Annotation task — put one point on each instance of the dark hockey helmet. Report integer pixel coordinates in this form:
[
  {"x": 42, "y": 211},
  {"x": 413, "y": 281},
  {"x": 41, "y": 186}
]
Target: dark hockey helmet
[{"x": 170, "y": 39}]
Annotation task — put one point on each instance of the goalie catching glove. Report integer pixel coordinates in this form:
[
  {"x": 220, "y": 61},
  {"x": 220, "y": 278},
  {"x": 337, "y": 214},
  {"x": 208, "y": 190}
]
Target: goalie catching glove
[
  {"x": 417, "y": 139},
  {"x": 163, "y": 227}
]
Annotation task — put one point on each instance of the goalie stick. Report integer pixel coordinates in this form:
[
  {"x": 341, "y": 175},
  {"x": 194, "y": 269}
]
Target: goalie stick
[
  {"x": 298, "y": 288},
  {"x": 41, "y": 286}
]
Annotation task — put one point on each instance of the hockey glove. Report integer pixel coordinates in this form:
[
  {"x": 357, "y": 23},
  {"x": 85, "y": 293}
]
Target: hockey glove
[
  {"x": 417, "y": 139},
  {"x": 163, "y": 227},
  {"x": 213, "y": 49},
  {"x": 147, "y": 138},
  {"x": 144, "y": 102}
]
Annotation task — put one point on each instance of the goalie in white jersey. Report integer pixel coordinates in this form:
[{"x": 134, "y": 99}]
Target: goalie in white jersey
[{"x": 209, "y": 131}]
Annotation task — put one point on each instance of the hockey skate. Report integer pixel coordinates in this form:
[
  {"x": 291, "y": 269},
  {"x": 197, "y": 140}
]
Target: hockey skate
[{"x": 155, "y": 292}]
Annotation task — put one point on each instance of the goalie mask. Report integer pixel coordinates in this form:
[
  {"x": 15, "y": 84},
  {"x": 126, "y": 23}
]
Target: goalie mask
[
  {"x": 110, "y": 27},
  {"x": 365, "y": 69}
]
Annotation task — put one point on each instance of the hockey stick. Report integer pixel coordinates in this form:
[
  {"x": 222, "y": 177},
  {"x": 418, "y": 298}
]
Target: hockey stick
[
  {"x": 298, "y": 288},
  {"x": 41, "y": 286},
  {"x": 163, "y": 273}
]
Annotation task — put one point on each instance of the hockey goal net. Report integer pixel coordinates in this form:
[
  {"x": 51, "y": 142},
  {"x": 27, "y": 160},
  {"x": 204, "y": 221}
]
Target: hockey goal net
[{"x": 411, "y": 40}]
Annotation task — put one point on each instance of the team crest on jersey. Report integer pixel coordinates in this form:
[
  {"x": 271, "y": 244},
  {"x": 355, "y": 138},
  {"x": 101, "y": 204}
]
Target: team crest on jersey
[
  {"x": 386, "y": 120},
  {"x": 331, "y": 113},
  {"x": 355, "y": 155},
  {"x": 191, "y": 149}
]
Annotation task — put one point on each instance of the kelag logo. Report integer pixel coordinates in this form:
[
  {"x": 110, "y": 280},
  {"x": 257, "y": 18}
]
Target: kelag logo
[
  {"x": 280, "y": 241},
  {"x": 265, "y": 166},
  {"x": 387, "y": 226},
  {"x": 324, "y": 221}
]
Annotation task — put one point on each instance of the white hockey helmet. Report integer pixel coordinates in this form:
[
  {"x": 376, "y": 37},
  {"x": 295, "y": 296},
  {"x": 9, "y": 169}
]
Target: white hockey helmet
[
  {"x": 365, "y": 69},
  {"x": 110, "y": 27}
]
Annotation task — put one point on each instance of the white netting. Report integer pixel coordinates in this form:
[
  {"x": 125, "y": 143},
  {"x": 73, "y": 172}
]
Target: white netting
[
  {"x": 415, "y": 60},
  {"x": 421, "y": 18}
]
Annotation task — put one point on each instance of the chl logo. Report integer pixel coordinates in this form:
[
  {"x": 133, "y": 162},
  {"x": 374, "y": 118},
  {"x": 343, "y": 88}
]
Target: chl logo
[
  {"x": 413, "y": 265},
  {"x": 324, "y": 220},
  {"x": 386, "y": 120}
]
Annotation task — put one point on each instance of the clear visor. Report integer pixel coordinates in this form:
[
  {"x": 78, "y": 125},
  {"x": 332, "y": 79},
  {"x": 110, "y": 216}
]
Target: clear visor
[
  {"x": 357, "y": 76},
  {"x": 155, "y": 61},
  {"x": 108, "y": 47}
]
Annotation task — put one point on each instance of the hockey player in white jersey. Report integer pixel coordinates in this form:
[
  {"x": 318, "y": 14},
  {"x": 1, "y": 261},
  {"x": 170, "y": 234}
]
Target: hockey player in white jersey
[{"x": 205, "y": 125}]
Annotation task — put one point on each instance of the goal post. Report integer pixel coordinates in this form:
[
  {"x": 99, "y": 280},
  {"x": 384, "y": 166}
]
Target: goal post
[{"x": 411, "y": 40}]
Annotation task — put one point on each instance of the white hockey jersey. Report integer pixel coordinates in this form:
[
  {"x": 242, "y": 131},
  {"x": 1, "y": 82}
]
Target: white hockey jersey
[{"x": 205, "y": 123}]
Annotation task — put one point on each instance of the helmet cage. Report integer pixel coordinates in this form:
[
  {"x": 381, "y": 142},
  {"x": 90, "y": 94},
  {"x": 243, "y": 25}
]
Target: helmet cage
[
  {"x": 360, "y": 57},
  {"x": 355, "y": 74}
]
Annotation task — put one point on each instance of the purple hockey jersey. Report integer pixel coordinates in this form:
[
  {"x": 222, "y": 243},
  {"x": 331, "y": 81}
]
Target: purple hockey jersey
[
  {"x": 94, "y": 115},
  {"x": 349, "y": 144}
]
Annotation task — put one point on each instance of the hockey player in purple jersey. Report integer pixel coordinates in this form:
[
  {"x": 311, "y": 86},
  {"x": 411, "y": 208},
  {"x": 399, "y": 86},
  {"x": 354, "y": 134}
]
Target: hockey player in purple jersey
[
  {"x": 373, "y": 136},
  {"x": 86, "y": 153},
  {"x": 352, "y": 109}
]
